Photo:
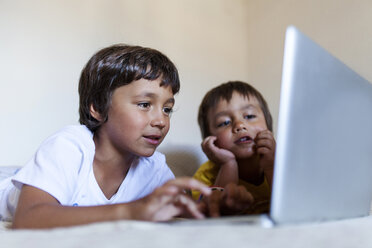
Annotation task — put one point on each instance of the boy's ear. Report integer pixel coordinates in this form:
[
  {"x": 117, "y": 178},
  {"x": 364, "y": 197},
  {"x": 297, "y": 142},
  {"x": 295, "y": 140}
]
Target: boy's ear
[{"x": 95, "y": 113}]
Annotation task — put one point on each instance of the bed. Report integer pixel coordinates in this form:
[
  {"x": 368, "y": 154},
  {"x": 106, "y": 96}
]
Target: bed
[
  {"x": 355, "y": 232},
  {"x": 344, "y": 233}
]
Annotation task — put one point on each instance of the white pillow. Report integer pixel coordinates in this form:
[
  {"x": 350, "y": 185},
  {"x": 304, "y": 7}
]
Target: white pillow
[
  {"x": 7, "y": 171},
  {"x": 183, "y": 160}
]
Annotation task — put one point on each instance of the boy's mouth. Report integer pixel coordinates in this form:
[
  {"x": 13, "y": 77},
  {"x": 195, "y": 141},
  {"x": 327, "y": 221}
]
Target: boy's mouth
[
  {"x": 153, "y": 139},
  {"x": 244, "y": 139}
]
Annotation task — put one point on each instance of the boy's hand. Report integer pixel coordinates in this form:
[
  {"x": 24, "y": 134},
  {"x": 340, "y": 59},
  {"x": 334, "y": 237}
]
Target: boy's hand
[
  {"x": 224, "y": 158},
  {"x": 215, "y": 154},
  {"x": 265, "y": 145},
  {"x": 170, "y": 200},
  {"x": 233, "y": 200}
]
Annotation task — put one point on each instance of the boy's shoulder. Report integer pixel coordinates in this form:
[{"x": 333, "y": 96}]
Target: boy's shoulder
[
  {"x": 75, "y": 131},
  {"x": 209, "y": 166},
  {"x": 77, "y": 135},
  {"x": 207, "y": 172}
]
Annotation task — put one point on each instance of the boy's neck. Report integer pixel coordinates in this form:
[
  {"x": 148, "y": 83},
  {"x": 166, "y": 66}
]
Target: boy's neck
[
  {"x": 106, "y": 154},
  {"x": 250, "y": 171},
  {"x": 110, "y": 167}
]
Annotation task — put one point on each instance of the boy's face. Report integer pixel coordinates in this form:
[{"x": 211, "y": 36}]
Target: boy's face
[
  {"x": 236, "y": 124},
  {"x": 138, "y": 118}
]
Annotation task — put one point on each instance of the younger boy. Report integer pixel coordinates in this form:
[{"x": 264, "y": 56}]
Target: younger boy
[
  {"x": 107, "y": 168},
  {"x": 236, "y": 126}
]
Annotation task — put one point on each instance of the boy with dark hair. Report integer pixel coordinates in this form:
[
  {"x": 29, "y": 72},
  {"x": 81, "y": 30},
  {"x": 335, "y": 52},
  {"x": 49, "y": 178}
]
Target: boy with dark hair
[
  {"x": 117, "y": 66},
  {"x": 236, "y": 127},
  {"x": 107, "y": 168}
]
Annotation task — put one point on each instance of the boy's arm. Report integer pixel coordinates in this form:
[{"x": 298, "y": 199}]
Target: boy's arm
[
  {"x": 38, "y": 209},
  {"x": 228, "y": 172},
  {"x": 265, "y": 144}
]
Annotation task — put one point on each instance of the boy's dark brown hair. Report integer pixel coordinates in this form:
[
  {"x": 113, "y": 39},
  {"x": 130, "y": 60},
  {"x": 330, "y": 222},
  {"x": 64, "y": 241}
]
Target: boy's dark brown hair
[
  {"x": 116, "y": 66},
  {"x": 224, "y": 92}
]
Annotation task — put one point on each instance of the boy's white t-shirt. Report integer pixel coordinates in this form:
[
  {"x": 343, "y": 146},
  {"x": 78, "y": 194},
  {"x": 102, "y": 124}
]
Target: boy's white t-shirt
[{"x": 63, "y": 167}]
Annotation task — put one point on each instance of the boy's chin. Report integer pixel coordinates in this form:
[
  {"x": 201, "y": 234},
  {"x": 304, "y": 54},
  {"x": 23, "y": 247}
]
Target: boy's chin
[
  {"x": 146, "y": 153},
  {"x": 245, "y": 155}
]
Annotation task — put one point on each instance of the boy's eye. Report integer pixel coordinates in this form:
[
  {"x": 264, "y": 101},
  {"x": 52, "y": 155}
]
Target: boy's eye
[
  {"x": 168, "y": 110},
  {"x": 143, "y": 105},
  {"x": 225, "y": 123},
  {"x": 250, "y": 117}
]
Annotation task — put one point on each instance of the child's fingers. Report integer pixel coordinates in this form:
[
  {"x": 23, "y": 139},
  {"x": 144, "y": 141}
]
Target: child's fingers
[
  {"x": 171, "y": 196},
  {"x": 202, "y": 206},
  {"x": 230, "y": 194},
  {"x": 214, "y": 203},
  {"x": 189, "y": 205},
  {"x": 164, "y": 195},
  {"x": 245, "y": 196},
  {"x": 183, "y": 183},
  {"x": 237, "y": 195},
  {"x": 208, "y": 146},
  {"x": 209, "y": 141},
  {"x": 266, "y": 134},
  {"x": 164, "y": 204},
  {"x": 265, "y": 139},
  {"x": 265, "y": 143},
  {"x": 214, "y": 153},
  {"x": 264, "y": 150}
]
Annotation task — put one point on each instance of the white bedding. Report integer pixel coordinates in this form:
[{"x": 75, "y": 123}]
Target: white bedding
[
  {"x": 7, "y": 171},
  {"x": 346, "y": 233}
]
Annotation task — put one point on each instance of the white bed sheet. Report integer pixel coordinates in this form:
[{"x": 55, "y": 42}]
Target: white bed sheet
[{"x": 345, "y": 233}]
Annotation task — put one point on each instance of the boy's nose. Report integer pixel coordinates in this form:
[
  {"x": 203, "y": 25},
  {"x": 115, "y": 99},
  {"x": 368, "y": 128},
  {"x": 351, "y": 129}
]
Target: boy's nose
[
  {"x": 239, "y": 126},
  {"x": 158, "y": 120}
]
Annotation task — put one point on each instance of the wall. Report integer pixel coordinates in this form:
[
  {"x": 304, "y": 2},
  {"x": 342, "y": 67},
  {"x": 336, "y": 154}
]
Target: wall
[
  {"x": 340, "y": 26},
  {"x": 45, "y": 44}
]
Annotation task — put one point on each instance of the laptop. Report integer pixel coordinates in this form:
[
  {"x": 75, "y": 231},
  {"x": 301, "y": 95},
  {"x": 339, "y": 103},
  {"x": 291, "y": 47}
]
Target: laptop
[{"x": 323, "y": 161}]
